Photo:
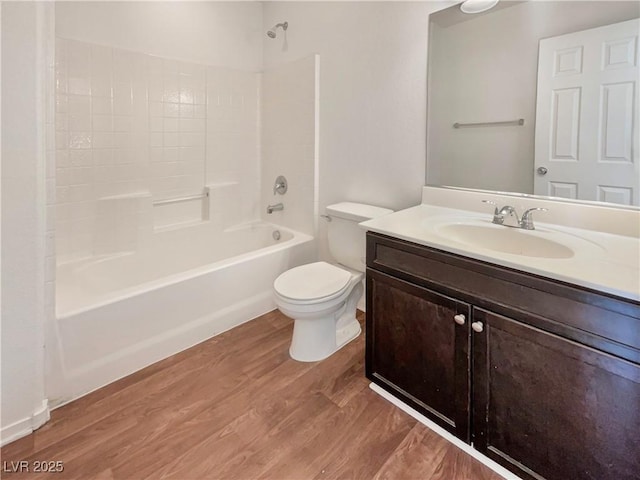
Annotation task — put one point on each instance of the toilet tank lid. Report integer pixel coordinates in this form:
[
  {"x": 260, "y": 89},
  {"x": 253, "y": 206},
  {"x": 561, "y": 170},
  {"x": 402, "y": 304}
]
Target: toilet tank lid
[{"x": 357, "y": 212}]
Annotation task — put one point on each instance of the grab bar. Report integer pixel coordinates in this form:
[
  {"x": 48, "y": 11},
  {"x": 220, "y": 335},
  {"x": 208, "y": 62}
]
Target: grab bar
[
  {"x": 519, "y": 121},
  {"x": 167, "y": 201}
]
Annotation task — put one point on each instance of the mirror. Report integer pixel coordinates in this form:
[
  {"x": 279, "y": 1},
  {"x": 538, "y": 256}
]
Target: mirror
[{"x": 564, "y": 84}]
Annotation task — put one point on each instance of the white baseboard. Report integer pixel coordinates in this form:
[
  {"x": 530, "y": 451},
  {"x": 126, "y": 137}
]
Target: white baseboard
[
  {"x": 24, "y": 427},
  {"x": 499, "y": 469}
]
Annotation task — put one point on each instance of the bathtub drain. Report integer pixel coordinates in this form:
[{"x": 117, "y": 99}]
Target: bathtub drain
[{"x": 276, "y": 234}]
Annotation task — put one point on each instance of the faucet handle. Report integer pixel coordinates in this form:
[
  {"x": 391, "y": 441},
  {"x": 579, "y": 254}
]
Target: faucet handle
[
  {"x": 280, "y": 186},
  {"x": 527, "y": 217},
  {"x": 498, "y": 219}
]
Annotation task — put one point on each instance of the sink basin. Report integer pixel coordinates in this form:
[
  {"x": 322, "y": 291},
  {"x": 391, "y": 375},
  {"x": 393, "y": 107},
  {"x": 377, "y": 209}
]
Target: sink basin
[{"x": 503, "y": 239}]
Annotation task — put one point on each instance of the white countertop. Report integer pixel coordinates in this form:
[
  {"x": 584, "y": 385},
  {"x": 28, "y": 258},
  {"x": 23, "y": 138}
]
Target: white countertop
[{"x": 601, "y": 261}]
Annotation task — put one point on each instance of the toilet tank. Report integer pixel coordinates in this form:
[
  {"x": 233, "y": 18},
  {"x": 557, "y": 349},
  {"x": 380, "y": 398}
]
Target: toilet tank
[{"x": 347, "y": 241}]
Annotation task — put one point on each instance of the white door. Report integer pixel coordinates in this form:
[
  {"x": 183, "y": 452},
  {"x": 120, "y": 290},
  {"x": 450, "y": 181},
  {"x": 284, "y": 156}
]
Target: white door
[{"x": 586, "y": 140}]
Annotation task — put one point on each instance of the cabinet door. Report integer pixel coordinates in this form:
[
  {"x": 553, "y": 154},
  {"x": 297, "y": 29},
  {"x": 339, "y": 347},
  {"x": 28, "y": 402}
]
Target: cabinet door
[
  {"x": 417, "y": 351},
  {"x": 551, "y": 406}
]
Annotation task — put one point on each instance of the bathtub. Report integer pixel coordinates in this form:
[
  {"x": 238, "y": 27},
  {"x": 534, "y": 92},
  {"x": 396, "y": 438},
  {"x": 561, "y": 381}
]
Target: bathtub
[{"x": 119, "y": 313}]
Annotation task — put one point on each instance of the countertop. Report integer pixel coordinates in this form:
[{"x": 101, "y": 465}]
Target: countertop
[{"x": 601, "y": 261}]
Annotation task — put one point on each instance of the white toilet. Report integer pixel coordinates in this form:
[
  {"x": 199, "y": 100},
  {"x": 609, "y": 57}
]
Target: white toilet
[{"x": 322, "y": 297}]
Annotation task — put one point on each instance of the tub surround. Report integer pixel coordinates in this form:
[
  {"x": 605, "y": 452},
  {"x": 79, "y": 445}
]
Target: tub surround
[{"x": 604, "y": 240}]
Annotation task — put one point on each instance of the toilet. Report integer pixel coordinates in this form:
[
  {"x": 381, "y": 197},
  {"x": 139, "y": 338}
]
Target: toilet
[{"x": 322, "y": 297}]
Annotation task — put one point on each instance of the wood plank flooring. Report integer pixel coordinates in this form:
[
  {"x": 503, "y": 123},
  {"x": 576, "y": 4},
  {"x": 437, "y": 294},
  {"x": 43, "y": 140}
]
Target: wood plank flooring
[{"x": 237, "y": 407}]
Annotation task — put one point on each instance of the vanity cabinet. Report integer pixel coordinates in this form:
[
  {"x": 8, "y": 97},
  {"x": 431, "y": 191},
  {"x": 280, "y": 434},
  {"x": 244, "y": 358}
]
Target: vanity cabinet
[
  {"x": 417, "y": 352},
  {"x": 541, "y": 376}
]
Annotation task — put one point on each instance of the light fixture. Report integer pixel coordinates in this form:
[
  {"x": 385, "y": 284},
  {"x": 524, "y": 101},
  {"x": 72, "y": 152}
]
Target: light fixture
[{"x": 477, "y": 6}]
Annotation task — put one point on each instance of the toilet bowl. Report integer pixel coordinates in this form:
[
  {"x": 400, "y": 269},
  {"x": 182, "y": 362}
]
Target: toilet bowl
[{"x": 322, "y": 297}]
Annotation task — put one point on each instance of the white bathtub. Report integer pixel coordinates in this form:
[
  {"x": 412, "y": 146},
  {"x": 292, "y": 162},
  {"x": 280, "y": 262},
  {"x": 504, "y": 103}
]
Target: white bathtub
[{"x": 120, "y": 313}]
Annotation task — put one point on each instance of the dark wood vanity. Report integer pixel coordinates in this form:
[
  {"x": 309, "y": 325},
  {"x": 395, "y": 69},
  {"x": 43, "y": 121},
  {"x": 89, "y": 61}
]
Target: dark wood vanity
[{"x": 539, "y": 375}]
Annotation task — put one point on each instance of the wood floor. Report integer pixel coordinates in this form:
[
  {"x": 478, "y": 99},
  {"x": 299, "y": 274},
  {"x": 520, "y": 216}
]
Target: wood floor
[{"x": 237, "y": 407}]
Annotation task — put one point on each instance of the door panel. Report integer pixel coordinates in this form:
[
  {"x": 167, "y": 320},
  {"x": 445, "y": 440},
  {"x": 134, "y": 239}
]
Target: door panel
[
  {"x": 587, "y": 115},
  {"x": 548, "y": 405},
  {"x": 417, "y": 351}
]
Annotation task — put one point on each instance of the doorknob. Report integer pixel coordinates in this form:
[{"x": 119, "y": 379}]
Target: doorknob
[
  {"x": 542, "y": 170},
  {"x": 477, "y": 327},
  {"x": 459, "y": 319}
]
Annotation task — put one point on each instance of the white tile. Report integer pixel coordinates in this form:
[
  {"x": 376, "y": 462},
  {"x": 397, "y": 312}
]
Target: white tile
[
  {"x": 80, "y": 158},
  {"x": 156, "y": 109},
  {"x": 103, "y": 140},
  {"x": 155, "y": 139},
  {"x": 171, "y": 139},
  {"x": 79, "y": 85},
  {"x": 199, "y": 111},
  {"x": 79, "y": 105},
  {"x": 101, "y": 86},
  {"x": 79, "y": 122},
  {"x": 171, "y": 154},
  {"x": 103, "y": 106},
  {"x": 62, "y": 122},
  {"x": 103, "y": 156},
  {"x": 171, "y": 89},
  {"x": 171, "y": 125},
  {"x": 61, "y": 103},
  {"x": 80, "y": 140},
  {"x": 186, "y": 111},
  {"x": 122, "y": 123}
]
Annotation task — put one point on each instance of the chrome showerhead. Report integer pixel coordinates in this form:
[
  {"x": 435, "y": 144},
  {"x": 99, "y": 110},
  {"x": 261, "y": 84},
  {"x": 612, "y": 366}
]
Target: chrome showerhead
[{"x": 272, "y": 33}]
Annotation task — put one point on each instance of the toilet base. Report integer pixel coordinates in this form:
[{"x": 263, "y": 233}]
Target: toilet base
[
  {"x": 317, "y": 338},
  {"x": 348, "y": 333},
  {"x": 301, "y": 351}
]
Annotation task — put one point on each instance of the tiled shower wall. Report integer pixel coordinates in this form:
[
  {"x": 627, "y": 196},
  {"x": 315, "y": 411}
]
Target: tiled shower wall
[{"x": 133, "y": 128}]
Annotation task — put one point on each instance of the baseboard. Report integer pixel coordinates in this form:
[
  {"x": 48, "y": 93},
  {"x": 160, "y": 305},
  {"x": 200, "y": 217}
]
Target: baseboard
[
  {"x": 24, "y": 427},
  {"x": 499, "y": 469}
]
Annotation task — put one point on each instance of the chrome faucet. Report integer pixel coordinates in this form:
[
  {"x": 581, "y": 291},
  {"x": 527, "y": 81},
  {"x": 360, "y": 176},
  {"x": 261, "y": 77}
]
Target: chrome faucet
[
  {"x": 274, "y": 208},
  {"x": 526, "y": 222}
]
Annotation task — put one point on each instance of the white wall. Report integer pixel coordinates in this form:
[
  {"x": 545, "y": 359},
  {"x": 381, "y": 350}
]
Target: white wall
[
  {"x": 288, "y": 107},
  {"x": 225, "y": 34},
  {"x": 25, "y": 299},
  {"x": 485, "y": 69},
  {"x": 373, "y": 78}
]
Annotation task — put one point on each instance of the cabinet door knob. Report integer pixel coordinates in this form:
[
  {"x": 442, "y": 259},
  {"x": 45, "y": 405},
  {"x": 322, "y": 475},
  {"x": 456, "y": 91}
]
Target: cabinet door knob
[
  {"x": 459, "y": 319},
  {"x": 477, "y": 326}
]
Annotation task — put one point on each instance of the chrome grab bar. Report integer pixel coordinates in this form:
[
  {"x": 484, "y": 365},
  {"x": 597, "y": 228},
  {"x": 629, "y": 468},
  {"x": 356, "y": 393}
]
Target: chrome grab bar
[
  {"x": 519, "y": 121},
  {"x": 167, "y": 201}
]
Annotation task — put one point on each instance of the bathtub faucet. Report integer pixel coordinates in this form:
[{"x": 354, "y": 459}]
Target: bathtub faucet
[{"x": 274, "y": 208}]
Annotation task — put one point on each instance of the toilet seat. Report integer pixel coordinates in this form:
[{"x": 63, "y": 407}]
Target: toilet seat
[{"x": 312, "y": 283}]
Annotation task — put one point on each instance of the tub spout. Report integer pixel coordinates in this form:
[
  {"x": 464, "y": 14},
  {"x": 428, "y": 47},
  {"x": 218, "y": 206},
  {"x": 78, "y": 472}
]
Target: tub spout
[{"x": 274, "y": 208}]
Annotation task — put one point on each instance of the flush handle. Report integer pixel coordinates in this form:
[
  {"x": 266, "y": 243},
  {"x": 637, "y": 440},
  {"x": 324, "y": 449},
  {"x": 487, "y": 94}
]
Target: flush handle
[
  {"x": 477, "y": 327},
  {"x": 459, "y": 319}
]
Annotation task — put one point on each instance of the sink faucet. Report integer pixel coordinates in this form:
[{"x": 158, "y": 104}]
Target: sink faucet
[
  {"x": 526, "y": 222},
  {"x": 274, "y": 208}
]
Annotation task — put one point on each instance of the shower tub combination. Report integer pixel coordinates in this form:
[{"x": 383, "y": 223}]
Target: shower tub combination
[{"x": 117, "y": 314}]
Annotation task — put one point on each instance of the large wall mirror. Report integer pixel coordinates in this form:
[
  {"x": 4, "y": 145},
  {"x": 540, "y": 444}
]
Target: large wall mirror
[{"x": 538, "y": 98}]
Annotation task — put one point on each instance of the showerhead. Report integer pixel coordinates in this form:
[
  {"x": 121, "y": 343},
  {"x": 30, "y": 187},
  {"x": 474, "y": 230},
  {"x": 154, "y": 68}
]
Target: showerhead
[{"x": 272, "y": 33}]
